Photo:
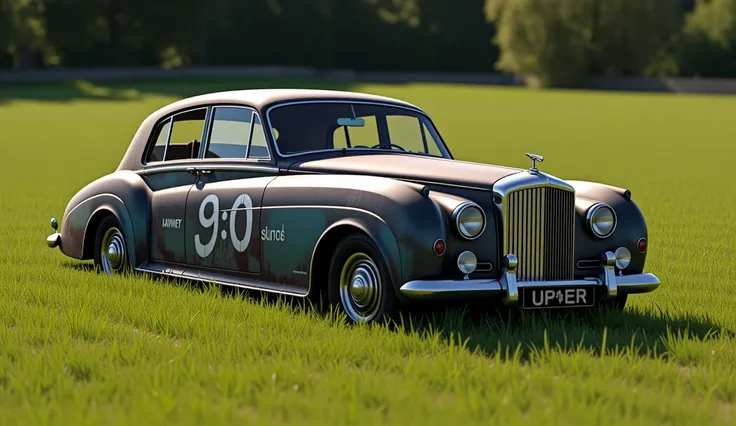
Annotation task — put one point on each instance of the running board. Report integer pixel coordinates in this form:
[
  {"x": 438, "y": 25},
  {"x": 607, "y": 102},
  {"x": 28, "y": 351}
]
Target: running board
[{"x": 219, "y": 277}]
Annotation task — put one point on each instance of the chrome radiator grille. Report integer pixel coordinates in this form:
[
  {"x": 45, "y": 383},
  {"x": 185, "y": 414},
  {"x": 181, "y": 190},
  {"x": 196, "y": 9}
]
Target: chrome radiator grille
[{"x": 539, "y": 230}]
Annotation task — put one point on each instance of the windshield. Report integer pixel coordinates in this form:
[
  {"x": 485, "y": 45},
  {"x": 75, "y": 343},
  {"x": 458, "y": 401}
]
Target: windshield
[{"x": 317, "y": 126}]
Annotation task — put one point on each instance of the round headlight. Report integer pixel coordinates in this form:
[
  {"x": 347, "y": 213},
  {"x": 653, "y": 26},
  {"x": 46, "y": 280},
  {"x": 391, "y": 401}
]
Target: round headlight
[
  {"x": 623, "y": 257},
  {"x": 470, "y": 220},
  {"x": 467, "y": 262},
  {"x": 602, "y": 220}
]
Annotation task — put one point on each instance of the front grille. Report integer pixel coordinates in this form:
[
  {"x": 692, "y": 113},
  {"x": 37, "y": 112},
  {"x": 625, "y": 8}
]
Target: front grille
[{"x": 539, "y": 230}]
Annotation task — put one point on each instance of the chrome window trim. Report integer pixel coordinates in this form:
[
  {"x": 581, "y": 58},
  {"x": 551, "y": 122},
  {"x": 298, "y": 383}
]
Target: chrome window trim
[
  {"x": 250, "y": 136},
  {"x": 155, "y": 169},
  {"x": 589, "y": 216},
  {"x": 459, "y": 209},
  {"x": 170, "y": 122},
  {"x": 346, "y": 101}
]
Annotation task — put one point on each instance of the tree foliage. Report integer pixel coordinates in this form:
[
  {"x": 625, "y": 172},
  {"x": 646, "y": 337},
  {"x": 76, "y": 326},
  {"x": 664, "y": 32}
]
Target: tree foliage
[
  {"x": 709, "y": 39},
  {"x": 557, "y": 42},
  {"x": 550, "y": 42}
]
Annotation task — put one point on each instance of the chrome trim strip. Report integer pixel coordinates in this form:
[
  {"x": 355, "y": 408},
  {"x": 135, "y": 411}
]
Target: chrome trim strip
[
  {"x": 203, "y": 165},
  {"x": 588, "y": 264},
  {"x": 219, "y": 282},
  {"x": 168, "y": 138},
  {"x": 343, "y": 101}
]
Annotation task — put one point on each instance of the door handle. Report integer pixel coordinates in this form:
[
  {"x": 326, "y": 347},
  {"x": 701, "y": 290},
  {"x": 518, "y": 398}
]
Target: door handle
[{"x": 197, "y": 172}]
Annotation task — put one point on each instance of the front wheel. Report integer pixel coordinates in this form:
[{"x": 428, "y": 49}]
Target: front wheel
[
  {"x": 359, "y": 281},
  {"x": 111, "y": 254}
]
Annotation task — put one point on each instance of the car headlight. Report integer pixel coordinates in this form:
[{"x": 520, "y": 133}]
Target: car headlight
[
  {"x": 470, "y": 220},
  {"x": 601, "y": 220}
]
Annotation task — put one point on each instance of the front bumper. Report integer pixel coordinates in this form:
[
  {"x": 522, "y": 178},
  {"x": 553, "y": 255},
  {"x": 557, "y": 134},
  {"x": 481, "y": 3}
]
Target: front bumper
[
  {"x": 508, "y": 288},
  {"x": 53, "y": 240}
]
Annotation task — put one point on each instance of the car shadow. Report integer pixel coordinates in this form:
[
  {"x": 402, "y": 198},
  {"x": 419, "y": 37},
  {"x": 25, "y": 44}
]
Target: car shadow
[
  {"x": 491, "y": 329},
  {"x": 494, "y": 329}
]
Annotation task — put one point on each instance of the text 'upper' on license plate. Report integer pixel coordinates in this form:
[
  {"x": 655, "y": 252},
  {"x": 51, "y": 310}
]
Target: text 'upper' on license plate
[{"x": 561, "y": 297}]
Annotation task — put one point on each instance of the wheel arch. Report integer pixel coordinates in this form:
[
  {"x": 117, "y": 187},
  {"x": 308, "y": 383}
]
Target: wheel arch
[
  {"x": 123, "y": 195},
  {"x": 323, "y": 250},
  {"x": 90, "y": 231}
]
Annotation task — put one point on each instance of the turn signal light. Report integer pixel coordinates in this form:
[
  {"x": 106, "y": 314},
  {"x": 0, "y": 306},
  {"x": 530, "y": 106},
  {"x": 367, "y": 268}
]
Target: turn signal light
[
  {"x": 439, "y": 247},
  {"x": 642, "y": 245}
]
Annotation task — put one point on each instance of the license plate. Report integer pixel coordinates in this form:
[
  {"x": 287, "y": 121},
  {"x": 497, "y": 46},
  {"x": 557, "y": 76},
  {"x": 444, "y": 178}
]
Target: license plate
[{"x": 558, "y": 297}]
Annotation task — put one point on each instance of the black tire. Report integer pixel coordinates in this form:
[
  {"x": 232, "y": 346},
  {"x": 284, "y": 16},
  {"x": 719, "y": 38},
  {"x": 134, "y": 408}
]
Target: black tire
[
  {"x": 372, "y": 298},
  {"x": 115, "y": 259}
]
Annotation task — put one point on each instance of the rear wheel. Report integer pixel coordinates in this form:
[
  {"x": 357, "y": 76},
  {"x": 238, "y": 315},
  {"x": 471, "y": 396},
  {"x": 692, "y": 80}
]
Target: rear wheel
[
  {"x": 359, "y": 281},
  {"x": 111, "y": 253}
]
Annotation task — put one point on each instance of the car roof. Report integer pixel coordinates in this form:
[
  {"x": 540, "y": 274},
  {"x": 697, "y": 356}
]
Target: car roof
[{"x": 261, "y": 98}]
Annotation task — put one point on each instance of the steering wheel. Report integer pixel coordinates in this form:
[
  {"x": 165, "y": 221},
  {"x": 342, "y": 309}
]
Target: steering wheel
[{"x": 390, "y": 145}]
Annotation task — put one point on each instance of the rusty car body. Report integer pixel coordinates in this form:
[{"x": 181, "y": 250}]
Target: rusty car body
[{"x": 305, "y": 191}]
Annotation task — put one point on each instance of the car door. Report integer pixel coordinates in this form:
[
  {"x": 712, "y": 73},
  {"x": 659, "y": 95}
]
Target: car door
[
  {"x": 223, "y": 207},
  {"x": 173, "y": 152}
]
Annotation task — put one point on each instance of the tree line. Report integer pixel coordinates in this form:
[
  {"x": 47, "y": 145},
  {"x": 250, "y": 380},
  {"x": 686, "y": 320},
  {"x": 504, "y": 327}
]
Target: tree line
[{"x": 549, "y": 42}]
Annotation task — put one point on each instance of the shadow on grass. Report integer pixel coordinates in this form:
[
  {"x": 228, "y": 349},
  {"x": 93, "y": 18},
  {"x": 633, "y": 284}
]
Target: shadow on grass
[
  {"x": 491, "y": 329},
  {"x": 176, "y": 87}
]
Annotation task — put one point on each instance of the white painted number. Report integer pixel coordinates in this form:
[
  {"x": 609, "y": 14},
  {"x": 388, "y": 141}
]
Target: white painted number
[
  {"x": 244, "y": 201},
  {"x": 204, "y": 250}
]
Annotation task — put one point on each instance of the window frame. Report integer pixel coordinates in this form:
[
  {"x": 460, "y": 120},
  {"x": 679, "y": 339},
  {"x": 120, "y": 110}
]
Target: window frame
[
  {"x": 383, "y": 132},
  {"x": 170, "y": 118},
  {"x": 206, "y": 132},
  {"x": 254, "y": 114}
]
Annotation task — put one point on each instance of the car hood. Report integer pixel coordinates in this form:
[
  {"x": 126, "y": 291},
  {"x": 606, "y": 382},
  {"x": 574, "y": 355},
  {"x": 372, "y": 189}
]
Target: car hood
[{"x": 410, "y": 167}]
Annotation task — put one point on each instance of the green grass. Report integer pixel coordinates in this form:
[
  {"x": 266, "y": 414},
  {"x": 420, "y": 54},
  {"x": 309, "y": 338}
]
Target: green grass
[{"x": 80, "y": 348}]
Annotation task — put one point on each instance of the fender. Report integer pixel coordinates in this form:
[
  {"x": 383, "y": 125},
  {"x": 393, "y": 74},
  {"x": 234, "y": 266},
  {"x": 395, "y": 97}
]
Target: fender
[
  {"x": 402, "y": 221},
  {"x": 630, "y": 223},
  {"x": 123, "y": 194},
  {"x": 378, "y": 231}
]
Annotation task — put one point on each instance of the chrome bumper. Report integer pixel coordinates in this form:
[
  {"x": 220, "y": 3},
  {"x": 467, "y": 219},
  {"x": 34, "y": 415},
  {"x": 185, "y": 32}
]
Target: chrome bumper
[
  {"x": 54, "y": 240},
  {"x": 508, "y": 288}
]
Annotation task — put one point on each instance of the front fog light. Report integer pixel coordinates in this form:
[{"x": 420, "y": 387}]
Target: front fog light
[
  {"x": 623, "y": 257},
  {"x": 467, "y": 262}
]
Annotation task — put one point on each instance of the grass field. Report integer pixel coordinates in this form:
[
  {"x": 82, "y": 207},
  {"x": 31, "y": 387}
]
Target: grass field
[{"x": 79, "y": 348}]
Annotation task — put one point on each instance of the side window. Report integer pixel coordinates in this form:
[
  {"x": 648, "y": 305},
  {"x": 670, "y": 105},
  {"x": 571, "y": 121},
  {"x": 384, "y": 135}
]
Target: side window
[
  {"x": 162, "y": 137},
  {"x": 411, "y": 134},
  {"x": 366, "y": 136},
  {"x": 186, "y": 135},
  {"x": 258, "y": 144},
  {"x": 231, "y": 129}
]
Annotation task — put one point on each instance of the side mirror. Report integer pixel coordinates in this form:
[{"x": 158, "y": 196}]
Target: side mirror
[{"x": 351, "y": 122}]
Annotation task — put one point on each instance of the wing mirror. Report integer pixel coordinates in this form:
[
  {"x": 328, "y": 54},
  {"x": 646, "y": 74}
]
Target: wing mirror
[{"x": 351, "y": 122}]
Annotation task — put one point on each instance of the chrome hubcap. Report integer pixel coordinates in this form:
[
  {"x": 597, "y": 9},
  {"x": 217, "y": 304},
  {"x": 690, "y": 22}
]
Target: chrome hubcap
[
  {"x": 360, "y": 288},
  {"x": 113, "y": 254}
]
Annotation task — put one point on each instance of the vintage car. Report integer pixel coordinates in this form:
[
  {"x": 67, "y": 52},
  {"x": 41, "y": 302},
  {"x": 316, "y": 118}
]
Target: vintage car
[{"x": 355, "y": 197}]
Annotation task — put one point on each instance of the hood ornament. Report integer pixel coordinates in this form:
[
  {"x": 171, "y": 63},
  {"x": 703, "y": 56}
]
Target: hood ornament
[{"x": 534, "y": 158}]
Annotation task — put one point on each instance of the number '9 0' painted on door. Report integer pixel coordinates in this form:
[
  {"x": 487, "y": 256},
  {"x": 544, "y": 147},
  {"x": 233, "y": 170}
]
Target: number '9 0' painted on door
[{"x": 242, "y": 203}]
